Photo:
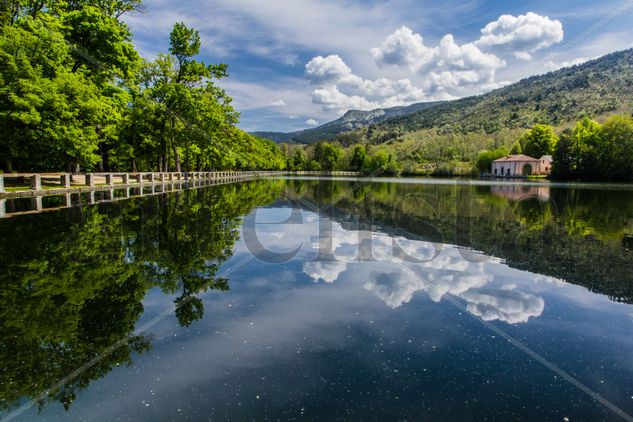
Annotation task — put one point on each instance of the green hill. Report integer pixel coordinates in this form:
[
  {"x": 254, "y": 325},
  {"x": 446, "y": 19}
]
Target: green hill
[{"x": 597, "y": 87}]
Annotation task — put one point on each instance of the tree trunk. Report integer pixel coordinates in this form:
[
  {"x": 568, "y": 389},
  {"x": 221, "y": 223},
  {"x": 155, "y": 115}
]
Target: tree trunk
[
  {"x": 9, "y": 165},
  {"x": 166, "y": 158},
  {"x": 177, "y": 159}
]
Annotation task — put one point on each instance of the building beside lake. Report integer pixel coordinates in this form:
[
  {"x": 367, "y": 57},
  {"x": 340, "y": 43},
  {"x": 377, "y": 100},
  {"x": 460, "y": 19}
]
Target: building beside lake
[{"x": 522, "y": 165}]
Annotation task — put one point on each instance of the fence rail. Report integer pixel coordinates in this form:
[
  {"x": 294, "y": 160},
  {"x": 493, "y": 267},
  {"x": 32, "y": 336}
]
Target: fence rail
[
  {"x": 47, "y": 181},
  {"x": 70, "y": 186}
]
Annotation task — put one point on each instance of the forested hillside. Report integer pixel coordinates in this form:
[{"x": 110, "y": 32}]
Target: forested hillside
[
  {"x": 76, "y": 95},
  {"x": 594, "y": 88}
]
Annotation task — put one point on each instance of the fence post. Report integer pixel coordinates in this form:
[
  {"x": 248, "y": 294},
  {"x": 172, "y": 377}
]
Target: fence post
[
  {"x": 1, "y": 183},
  {"x": 37, "y": 203},
  {"x": 3, "y": 208},
  {"x": 90, "y": 180},
  {"x": 161, "y": 177},
  {"x": 36, "y": 182},
  {"x": 64, "y": 180},
  {"x": 109, "y": 180},
  {"x": 150, "y": 177},
  {"x": 125, "y": 178}
]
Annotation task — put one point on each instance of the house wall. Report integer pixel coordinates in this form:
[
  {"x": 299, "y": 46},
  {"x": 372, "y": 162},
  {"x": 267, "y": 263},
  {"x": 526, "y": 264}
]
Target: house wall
[
  {"x": 545, "y": 166},
  {"x": 515, "y": 167}
]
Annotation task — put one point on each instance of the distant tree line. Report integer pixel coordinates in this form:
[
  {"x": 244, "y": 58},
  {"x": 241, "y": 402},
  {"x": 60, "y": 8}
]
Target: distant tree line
[
  {"x": 331, "y": 156},
  {"x": 589, "y": 151},
  {"x": 75, "y": 94}
]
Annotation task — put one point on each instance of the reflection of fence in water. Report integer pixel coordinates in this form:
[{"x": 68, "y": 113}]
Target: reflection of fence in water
[
  {"x": 66, "y": 186},
  {"x": 51, "y": 202}
]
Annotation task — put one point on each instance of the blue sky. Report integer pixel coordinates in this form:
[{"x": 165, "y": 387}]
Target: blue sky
[{"x": 298, "y": 63}]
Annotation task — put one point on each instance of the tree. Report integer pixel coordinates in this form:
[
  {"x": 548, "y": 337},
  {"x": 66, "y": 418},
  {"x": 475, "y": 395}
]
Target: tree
[
  {"x": 485, "y": 159},
  {"x": 359, "y": 155},
  {"x": 616, "y": 148},
  {"x": 299, "y": 160},
  {"x": 538, "y": 141},
  {"x": 382, "y": 162},
  {"x": 75, "y": 94},
  {"x": 565, "y": 162},
  {"x": 48, "y": 114},
  {"x": 331, "y": 157}
]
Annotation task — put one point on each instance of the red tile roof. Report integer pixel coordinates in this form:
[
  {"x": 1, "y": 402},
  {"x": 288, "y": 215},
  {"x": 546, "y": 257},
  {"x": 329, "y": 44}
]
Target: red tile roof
[{"x": 518, "y": 157}]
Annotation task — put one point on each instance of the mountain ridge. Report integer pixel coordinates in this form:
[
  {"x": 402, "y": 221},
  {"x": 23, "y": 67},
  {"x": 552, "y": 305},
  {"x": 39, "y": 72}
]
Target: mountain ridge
[{"x": 350, "y": 121}]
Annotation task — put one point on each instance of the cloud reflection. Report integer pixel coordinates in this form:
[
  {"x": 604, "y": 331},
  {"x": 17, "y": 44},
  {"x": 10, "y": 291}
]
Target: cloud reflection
[{"x": 395, "y": 277}]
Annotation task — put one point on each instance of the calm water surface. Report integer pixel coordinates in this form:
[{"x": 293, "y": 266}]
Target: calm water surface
[{"x": 303, "y": 299}]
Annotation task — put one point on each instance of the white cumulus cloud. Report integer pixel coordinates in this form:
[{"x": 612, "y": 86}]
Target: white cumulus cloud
[
  {"x": 330, "y": 69},
  {"x": 521, "y": 35},
  {"x": 403, "y": 48},
  {"x": 312, "y": 122},
  {"x": 330, "y": 98},
  {"x": 467, "y": 56},
  {"x": 278, "y": 103},
  {"x": 339, "y": 89},
  {"x": 447, "y": 70}
]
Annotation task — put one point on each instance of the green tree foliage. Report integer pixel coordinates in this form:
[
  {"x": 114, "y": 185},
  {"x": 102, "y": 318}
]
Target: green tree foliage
[
  {"x": 299, "y": 160},
  {"x": 326, "y": 157},
  {"x": 331, "y": 158},
  {"x": 485, "y": 159},
  {"x": 359, "y": 155},
  {"x": 75, "y": 95},
  {"x": 538, "y": 141},
  {"x": 49, "y": 114},
  {"x": 596, "y": 152}
]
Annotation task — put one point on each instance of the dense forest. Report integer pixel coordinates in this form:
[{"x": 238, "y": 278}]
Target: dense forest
[{"x": 76, "y": 95}]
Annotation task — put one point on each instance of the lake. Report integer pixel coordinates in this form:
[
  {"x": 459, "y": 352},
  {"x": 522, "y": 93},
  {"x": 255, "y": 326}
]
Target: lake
[{"x": 317, "y": 299}]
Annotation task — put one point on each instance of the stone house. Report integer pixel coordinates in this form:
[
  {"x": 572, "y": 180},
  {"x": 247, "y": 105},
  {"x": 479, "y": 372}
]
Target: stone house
[{"x": 522, "y": 165}]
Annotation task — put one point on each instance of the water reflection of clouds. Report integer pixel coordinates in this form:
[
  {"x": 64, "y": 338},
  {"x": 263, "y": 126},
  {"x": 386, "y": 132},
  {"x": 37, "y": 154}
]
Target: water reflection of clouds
[{"x": 396, "y": 268}]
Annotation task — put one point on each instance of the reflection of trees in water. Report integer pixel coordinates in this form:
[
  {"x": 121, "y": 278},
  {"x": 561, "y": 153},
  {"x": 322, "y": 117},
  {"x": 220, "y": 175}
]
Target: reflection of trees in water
[
  {"x": 73, "y": 282},
  {"x": 578, "y": 235}
]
